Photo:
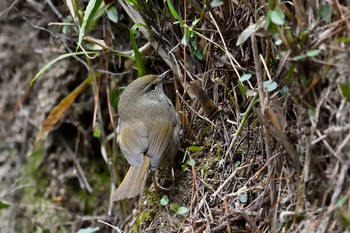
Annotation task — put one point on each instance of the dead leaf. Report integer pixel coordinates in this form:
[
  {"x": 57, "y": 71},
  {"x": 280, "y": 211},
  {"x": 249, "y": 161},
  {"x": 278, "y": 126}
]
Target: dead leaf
[
  {"x": 208, "y": 106},
  {"x": 57, "y": 113}
]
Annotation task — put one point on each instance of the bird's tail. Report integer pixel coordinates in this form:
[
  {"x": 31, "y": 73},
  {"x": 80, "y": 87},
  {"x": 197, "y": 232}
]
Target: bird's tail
[{"x": 133, "y": 182}]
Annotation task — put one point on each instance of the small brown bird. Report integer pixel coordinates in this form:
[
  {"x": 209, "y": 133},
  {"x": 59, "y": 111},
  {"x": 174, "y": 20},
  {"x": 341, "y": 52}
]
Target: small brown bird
[{"x": 148, "y": 132}]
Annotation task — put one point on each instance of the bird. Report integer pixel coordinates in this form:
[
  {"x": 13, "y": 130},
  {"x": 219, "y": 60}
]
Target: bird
[{"x": 148, "y": 132}]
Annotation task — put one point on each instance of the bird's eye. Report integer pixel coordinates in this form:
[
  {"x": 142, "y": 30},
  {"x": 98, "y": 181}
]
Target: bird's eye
[{"x": 152, "y": 87}]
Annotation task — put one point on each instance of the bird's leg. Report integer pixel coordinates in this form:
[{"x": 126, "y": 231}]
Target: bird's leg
[{"x": 157, "y": 186}]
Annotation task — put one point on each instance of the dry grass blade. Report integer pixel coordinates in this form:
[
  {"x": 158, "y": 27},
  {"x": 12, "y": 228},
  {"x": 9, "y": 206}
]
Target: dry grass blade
[{"x": 209, "y": 107}]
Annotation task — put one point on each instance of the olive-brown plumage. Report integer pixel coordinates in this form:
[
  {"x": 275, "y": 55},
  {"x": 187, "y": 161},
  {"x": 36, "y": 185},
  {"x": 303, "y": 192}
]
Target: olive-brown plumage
[{"x": 148, "y": 132}]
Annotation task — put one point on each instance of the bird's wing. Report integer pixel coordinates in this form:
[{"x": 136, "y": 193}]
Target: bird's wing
[
  {"x": 134, "y": 142},
  {"x": 160, "y": 135}
]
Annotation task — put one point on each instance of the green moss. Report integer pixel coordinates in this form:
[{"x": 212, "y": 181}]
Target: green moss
[
  {"x": 146, "y": 216},
  {"x": 34, "y": 175},
  {"x": 206, "y": 171},
  {"x": 219, "y": 152},
  {"x": 149, "y": 205},
  {"x": 210, "y": 161},
  {"x": 99, "y": 180},
  {"x": 153, "y": 198},
  {"x": 43, "y": 211}
]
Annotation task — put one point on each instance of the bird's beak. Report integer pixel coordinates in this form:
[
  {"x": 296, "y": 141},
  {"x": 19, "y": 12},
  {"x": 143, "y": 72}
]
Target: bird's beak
[{"x": 162, "y": 76}]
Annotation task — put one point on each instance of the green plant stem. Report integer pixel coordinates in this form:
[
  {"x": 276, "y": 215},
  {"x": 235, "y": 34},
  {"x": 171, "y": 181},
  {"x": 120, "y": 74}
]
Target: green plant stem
[{"x": 246, "y": 114}]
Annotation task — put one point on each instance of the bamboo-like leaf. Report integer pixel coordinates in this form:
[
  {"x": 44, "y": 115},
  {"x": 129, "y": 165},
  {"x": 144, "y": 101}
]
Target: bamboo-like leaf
[
  {"x": 4, "y": 205},
  {"x": 345, "y": 90},
  {"x": 174, "y": 13},
  {"x": 186, "y": 37},
  {"x": 48, "y": 65},
  {"x": 70, "y": 6},
  {"x": 138, "y": 58},
  {"x": 135, "y": 4},
  {"x": 89, "y": 12},
  {"x": 313, "y": 53}
]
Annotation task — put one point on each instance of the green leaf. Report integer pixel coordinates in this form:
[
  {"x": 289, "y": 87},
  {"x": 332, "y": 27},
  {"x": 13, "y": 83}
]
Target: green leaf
[
  {"x": 164, "y": 201},
  {"x": 270, "y": 85},
  {"x": 100, "y": 11},
  {"x": 245, "y": 77},
  {"x": 195, "y": 49},
  {"x": 194, "y": 23},
  {"x": 174, "y": 206},
  {"x": 66, "y": 28},
  {"x": 304, "y": 80},
  {"x": 344, "y": 218},
  {"x": 72, "y": 9},
  {"x": 290, "y": 73},
  {"x": 39, "y": 229},
  {"x": 190, "y": 162},
  {"x": 194, "y": 148},
  {"x": 4, "y": 205},
  {"x": 341, "y": 202},
  {"x": 198, "y": 53},
  {"x": 273, "y": 29},
  {"x": 186, "y": 38},
  {"x": 246, "y": 34},
  {"x": 344, "y": 39},
  {"x": 278, "y": 42},
  {"x": 299, "y": 57},
  {"x": 138, "y": 59},
  {"x": 174, "y": 13},
  {"x": 284, "y": 91},
  {"x": 114, "y": 98},
  {"x": 48, "y": 65},
  {"x": 243, "y": 198},
  {"x": 182, "y": 210},
  {"x": 267, "y": 20},
  {"x": 277, "y": 16},
  {"x": 242, "y": 88},
  {"x": 345, "y": 90},
  {"x": 311, "y": 112},
  {"x": 313, "y": 53},
  {"x": 216, "y": 3},
  {"x": 112, "y": 14},
  {"x": 97, "y": 131},
  {"x": 194, "y": 44},
  {"x": 301, "y": 39},
  {"x": 135, "y": 4},
  {"x": 89, "y": 12},
  {"x": 250, "y": 93},
  {"x": 237, "y": 163},
  {"x": 324, "y": 11},
  {"x": 88, "y": 230}
]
